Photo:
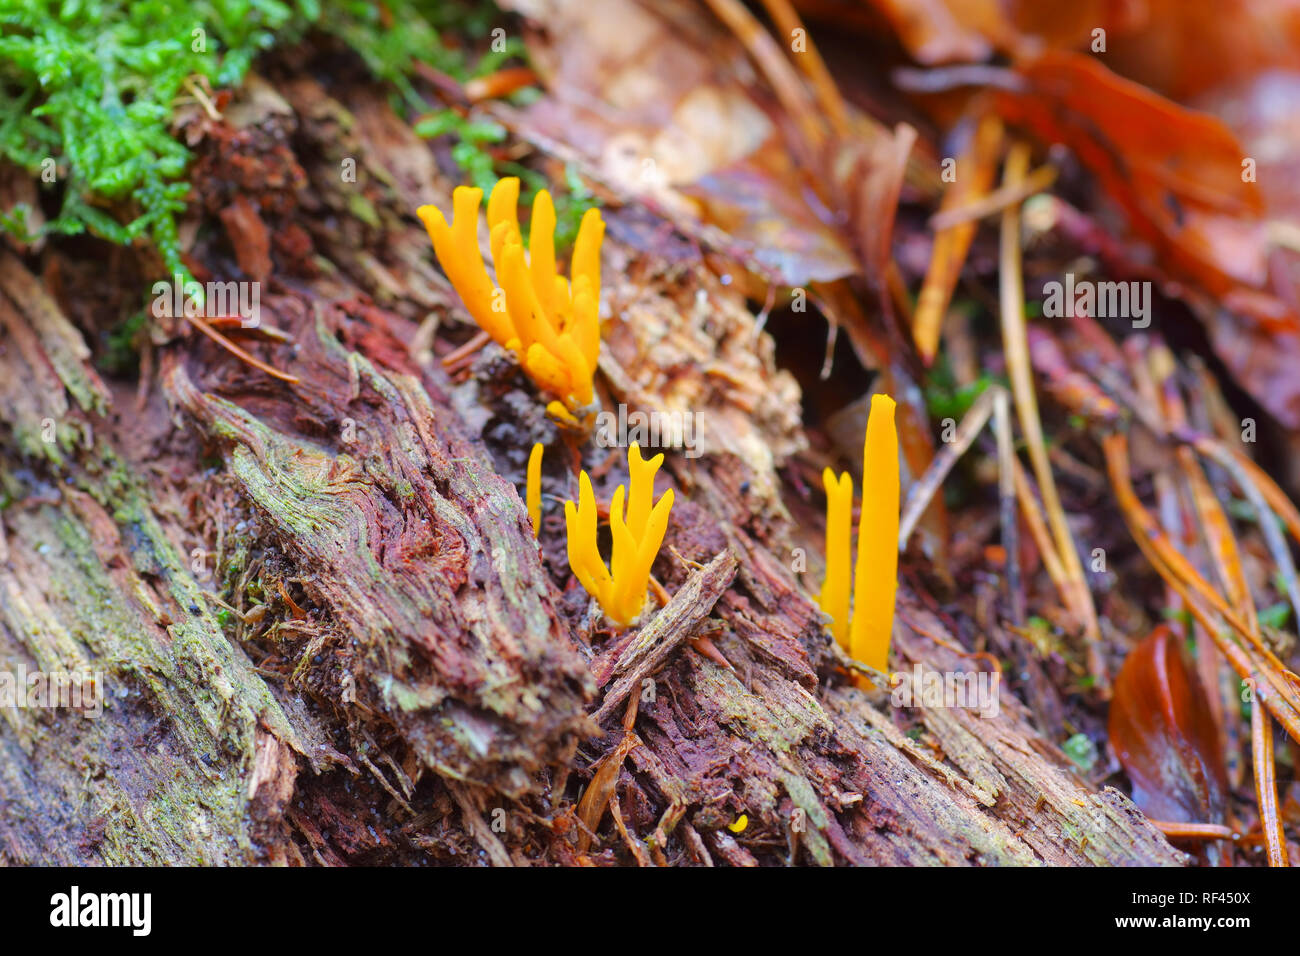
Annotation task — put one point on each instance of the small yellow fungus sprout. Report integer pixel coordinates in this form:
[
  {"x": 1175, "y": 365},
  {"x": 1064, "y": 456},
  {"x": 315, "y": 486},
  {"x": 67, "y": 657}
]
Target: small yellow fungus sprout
[
  {"x": 534, "y": 490},
  {"x": 551, "y": 323},
  {"x": 637, "y": 534},
  {"x": 865, "y": 635},
  {"x": 739, "y": 824}
]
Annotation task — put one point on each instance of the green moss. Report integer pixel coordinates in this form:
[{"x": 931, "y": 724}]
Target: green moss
[
  {"x": 392, "y": 38},
  {"x": 944, "y": 398},
  {"x": 1081, "y": 751},
  {"x": 1276, "y": 615},
  {"x": 88, "y": 89},
  {"x": 120, "y": 354},
  {"x": 91, "y": 86}
]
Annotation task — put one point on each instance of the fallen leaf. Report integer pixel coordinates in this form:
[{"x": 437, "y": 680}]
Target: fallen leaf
[
  {"x": 661, "y": 103},
  {"x": 1164, "y": 735},
  {"x": 1176, "y": 172}
]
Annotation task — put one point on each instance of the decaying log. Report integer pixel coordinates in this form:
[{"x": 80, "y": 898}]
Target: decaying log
[
  {"x": 328, "y": 634},
  {"x": 657, "y": 641},
  {"x": 417, "y": 554}
]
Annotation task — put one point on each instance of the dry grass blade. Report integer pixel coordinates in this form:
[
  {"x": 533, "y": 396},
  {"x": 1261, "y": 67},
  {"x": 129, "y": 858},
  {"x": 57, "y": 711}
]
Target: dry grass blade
[
  {"x": 977, "y": 166},
  {"x": 1219, "y": 537},
  {"x": 810, "y": 61},
  {"x": 925, "y": 488},
  {"x": 1194, "y": 831},
  {"x": 461, "y": 355},
  {"x": 1266, "y": 498},
  {"x": 1015, "y": 343},
  {"x": 768, "y": 56},
  {"x": 1007, "y": 503},
  {"x": 1236, "y": 462},
  {"x": 1252, "y": 661},
  {"x": 1260, "y": 490},
  {"x": 1186, "y": 574},
  {"x": 995, "y": 202},
  {"x": 236, "y": 351},
  {"x": 1030, "y": 508},
  {"x": 1227, "y": 560},
  {"x": 1250, "y": 669},
  {"x": 1270, "y": 816}
]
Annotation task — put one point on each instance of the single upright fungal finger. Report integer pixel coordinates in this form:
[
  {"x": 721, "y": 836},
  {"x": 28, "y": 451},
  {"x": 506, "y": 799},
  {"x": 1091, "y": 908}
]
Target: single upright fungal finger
[
  {"x": 876, "y": 578},
  {"x": 834, "y": 598},
  {"x": 534, "y": 487}
]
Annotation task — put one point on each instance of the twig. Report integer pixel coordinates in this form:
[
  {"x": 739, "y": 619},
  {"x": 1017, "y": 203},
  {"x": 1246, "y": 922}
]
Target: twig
[
  {"x": 997, "y": 201},
  {"x": 1007, "y": 503},
  {"x": 235, "y": 350},
  {"x": 1016, "y": 344},
  {"x": 924, "y": 489},
  {"x": 675, "y": 623}
]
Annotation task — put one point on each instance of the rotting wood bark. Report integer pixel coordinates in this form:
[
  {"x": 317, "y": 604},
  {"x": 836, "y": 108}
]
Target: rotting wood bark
[{"x": 665, "y": 633}]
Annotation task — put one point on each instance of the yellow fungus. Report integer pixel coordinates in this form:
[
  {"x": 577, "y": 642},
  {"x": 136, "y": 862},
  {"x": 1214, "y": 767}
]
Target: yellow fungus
[
  {"x": 739, "y": 825},
  {"x": 534, "y": 489},
  {"x": 865, "y": 634},
  {"x": 839, "y": 553},
  {"x": 557, "y": 410},
  {"x": 637, "y": 530},
  {"x": 552, "y": 324}
]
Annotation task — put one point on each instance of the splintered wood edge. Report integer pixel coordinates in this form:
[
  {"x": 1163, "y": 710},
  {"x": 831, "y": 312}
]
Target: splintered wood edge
[{"x": 675, "y": 623}]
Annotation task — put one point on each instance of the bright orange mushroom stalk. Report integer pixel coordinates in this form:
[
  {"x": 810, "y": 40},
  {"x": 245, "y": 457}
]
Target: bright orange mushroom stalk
[
  {"x": 552, "y": 324},
  {"x": 865, "y": 635},
  {"x": 533, "y": 491},
  {"x": 637, "y": 534},
  {"x": 839, "y": 553}
]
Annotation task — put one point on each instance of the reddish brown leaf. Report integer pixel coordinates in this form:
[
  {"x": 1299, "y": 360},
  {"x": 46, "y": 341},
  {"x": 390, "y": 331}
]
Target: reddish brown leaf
[
  {"x": 940, "y": 31},
  {"x": 1164, "y": 735},
  {"x": 248, "y": 237},
  {"x": 659, "y": 102},
  {"x": 1176, "y": 172}
]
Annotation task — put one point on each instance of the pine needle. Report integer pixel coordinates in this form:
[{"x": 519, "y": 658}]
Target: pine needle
[{"x": 1015, "y": 343}]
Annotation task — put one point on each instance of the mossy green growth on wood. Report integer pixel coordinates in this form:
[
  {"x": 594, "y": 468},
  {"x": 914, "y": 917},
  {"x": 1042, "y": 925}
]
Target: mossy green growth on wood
[{"x": 90, "y": 88}]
